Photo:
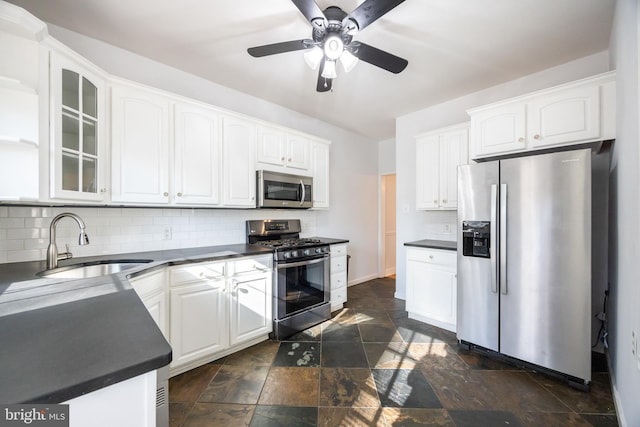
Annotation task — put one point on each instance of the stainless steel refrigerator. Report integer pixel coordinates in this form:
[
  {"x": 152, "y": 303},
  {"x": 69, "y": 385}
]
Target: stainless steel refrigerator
[{"x": 525, "y": 257}]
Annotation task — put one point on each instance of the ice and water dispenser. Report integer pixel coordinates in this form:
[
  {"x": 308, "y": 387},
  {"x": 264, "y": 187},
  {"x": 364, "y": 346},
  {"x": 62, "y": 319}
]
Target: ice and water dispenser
[{"x": 476, "y": 238}]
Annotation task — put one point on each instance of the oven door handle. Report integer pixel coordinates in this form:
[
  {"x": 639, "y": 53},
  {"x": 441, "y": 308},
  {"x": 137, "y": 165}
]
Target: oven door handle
[{"x": 301, "y": 263}]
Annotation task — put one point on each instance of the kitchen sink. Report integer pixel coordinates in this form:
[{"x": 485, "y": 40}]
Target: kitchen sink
[{"x": 92, "y": 269}]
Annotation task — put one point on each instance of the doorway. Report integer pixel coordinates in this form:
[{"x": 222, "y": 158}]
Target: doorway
[{"x": 388, "y": 225}]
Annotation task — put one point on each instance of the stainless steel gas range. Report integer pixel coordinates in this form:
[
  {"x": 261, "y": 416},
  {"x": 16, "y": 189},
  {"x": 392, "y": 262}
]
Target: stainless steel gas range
[{"x": 301, "y": 275}]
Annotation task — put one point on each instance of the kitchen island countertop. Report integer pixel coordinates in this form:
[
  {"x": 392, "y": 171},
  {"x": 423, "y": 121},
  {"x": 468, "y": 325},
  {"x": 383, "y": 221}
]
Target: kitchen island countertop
[
  {"x": 63, "y": 338},
  {"x": 434, "y": 244}
]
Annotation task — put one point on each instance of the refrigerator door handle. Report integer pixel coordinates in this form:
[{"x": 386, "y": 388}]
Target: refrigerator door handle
[
  {"x": 503, "y": 239},
  {"x": 494, "y": 236}
]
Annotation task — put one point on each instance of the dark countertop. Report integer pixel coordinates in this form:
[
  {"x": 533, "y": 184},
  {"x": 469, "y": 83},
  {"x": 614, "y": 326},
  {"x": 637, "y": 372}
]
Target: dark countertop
[
  {"x": 63, "y": 338},
  {"x": 330, "y": 241},
  {"x": 434, "y": 244}
]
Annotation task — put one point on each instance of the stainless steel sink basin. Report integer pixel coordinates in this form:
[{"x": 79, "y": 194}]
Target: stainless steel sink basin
[{"x": 92, "y": 269}]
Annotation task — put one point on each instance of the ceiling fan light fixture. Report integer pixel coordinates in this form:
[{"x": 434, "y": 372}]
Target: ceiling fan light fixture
[
  {"x": 313, "y": 57},
  {"x": 333, "y": 47},
  {"x": 329, "y": 70},
  {"x": 348, "y": 60}
]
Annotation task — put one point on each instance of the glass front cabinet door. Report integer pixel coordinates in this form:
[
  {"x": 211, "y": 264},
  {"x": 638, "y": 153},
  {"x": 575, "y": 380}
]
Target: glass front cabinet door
[{"x": 77, "y": 135}]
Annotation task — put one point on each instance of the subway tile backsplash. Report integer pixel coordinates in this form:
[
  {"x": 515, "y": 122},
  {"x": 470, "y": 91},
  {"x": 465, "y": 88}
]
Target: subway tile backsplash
[{"x": 24, "y": 231}]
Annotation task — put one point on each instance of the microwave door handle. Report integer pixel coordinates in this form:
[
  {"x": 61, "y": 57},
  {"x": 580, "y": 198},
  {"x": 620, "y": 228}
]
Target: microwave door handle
[{"x": 303, "y": 192}]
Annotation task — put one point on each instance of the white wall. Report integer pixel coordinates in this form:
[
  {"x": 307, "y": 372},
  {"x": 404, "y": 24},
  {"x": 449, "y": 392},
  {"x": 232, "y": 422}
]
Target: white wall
[
  {"x": 387, "y": 157},
  {"x": 624, "y": 252},
  {"x": 354, "y": 161},
  {"x": 416, "y": 225}
]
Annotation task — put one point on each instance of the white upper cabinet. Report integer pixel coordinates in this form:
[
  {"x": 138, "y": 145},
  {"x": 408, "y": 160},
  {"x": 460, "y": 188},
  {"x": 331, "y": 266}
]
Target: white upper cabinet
[
  {"x": 238, "y": 162},
  {"x": 500, "y": 130},
  {"x": 19, "y": 117},
  {"x": 574, "y": 113},
  {"x": 567, "y": 116},
  {"x": 320, "y": 173},
  {"x": 438, "y": 155},
  {"x": 197, "y": 155},
  {"x": 77, "y": 135},
  {"x": 283, "y": 151},
  {"x": 139, "y": 145}
]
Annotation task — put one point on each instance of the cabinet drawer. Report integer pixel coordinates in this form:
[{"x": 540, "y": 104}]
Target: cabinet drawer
[
  {"x": 252, "y": 264},
  {"x": 338, "y": 280},
  {"x": 433, "y": 256},
  {"x": 338, "y": 250},
  {"x": 149, "y": 284},
  {"x": 197, "y": 272},
  {"x": 338, "y": 296},
  {"x": 338, "y": 264}
]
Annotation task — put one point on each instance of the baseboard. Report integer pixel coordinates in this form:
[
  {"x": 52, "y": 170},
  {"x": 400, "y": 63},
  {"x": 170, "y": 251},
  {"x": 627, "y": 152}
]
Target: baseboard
[
  {"x": 622, "y": 422},
  {"x": 362, "y": 279}
]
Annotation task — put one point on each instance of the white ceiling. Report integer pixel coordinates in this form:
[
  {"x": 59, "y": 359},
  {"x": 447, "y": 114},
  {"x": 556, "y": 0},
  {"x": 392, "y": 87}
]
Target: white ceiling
[{"x": 454, "y": 47}]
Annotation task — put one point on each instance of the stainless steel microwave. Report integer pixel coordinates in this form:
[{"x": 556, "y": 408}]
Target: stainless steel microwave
[{"x": 281, "y": 190}]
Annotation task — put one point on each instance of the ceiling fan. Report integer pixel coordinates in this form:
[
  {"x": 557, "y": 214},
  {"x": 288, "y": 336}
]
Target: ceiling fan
[{"x": 332, "y": 40}]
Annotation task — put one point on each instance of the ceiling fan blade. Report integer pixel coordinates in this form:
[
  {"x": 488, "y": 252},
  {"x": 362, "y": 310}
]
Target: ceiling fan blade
[
  {"x": 311, "y": 11},
  {"x": 377, "y": 57},
  {"x": 371, "y": 10},
  {"x": 324, "y": 84},
  {"x": 282, "y": 47}
]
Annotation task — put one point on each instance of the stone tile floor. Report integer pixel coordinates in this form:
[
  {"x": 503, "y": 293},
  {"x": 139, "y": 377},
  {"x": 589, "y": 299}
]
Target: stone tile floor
[{"x": 370, "y": 365}]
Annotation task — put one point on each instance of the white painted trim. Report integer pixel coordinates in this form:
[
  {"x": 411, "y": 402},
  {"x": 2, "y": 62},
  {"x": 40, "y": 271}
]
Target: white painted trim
[
  {"x": 362, "y": 279},
  {"x": 622, "y": 422}
]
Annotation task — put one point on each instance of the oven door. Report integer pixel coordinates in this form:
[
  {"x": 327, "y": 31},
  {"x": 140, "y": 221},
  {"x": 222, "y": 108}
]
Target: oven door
[{"x": 301, "y": 285}]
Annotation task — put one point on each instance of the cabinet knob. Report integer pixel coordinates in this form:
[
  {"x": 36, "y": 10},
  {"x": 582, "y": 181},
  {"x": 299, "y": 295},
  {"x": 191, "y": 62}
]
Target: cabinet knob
[
  {"x": 430, "y": 256},
  {"x": 536, "y": 136},
  {"x": 103, "y": 190},
  {"x": 165, "y": 194},
  {"x": 444, "y": 200},
  {"x": 435, "y": 202},
  {"x": 282, "y": 158},
  {"x": 179, "y": 194},
  {"x": 520, "y": 139},
  {"x": 289, "y": 160}
]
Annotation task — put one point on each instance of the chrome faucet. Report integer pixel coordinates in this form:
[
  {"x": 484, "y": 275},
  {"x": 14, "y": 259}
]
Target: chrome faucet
[{"x": 52, "y": 250}]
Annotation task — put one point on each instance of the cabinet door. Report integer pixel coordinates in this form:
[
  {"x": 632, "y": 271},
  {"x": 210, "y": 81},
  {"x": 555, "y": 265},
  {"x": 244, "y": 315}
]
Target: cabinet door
[
  {"x": 140, "y": 146},
  {"x": 152, "y": 290},
  {"x": 432, "y": 286},
  {"x": 499, "y": 130},
  {"x": 250, "y": 307},
  {"x": 427, "y": 172},
  {"x": 77, "y": 141},
  {"x": 297, "y": 152},
  {"x": 320, "y": 171},
  {"x": 453, "y": 153},
  {"x": 197, "y": 155},
  {"x": 198, "y": 320},
  {"x": 157, "y": 307},
  {"x": 239, "y": 172},
  {"x": 571, "y": 115},
  {"x": 271, "y": 144}
]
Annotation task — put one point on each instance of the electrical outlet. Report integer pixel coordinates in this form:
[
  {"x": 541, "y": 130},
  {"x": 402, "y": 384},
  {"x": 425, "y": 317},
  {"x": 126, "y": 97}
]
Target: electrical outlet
[
  {"x": 634, "y": 343},
  {"x": 167, "y": 232},
  {"x": 447, "y": 229}
]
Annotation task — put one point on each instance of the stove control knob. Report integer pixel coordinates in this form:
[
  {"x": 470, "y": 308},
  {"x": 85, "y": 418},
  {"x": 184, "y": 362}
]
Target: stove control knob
[
  {"x": 286, "y": 255},
  {"x": 318, "y": 250},
  {"x": 293, "y": 254},
  {"x": 307, "y": 252}
]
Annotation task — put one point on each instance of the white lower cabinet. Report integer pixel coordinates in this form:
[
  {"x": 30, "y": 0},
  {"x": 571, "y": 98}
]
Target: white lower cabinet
[
  {"x": 250, "y": 307},
  {"x": 338, "y": 273},
  {"x": 432, "y": 286},
  {"x": 152, "y": 290},
  {"x": 217, "y": 308},
  {"x": 198, "y": 317}
]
